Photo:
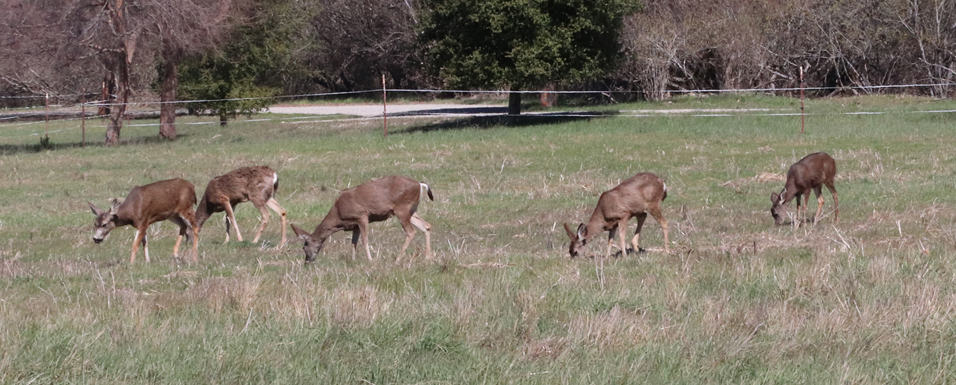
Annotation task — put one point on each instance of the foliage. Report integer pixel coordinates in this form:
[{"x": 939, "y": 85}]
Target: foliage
[{"x": 521, "y": 43}]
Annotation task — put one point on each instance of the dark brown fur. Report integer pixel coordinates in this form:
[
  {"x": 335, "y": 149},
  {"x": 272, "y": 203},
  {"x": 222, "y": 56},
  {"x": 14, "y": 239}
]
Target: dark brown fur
[
  {"x": 810, "y": 173},
  {"x": 634, "y": 197},
  {"x": 372, "y": 201},
  {"x": 171, "y": 199}
]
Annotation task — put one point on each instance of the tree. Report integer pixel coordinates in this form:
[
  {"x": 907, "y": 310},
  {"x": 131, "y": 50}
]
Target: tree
[
  {"x": 521, "y": 43},
  {"x": 246, "y": 70},
  {"x": 184, "y": 27}
]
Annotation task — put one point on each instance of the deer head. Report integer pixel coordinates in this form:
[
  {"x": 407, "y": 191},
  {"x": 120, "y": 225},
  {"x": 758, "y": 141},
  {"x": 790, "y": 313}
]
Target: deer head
[
  {"x": 578, "y": 239},
  {"x": 777, "y": 209},
  {"x": 312, "y": 245},
  {"x": 105, "y": 220}
]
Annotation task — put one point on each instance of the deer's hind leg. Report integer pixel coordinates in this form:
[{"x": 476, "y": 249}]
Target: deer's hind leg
[
  {"x": 274, "y": 205},
  {"x": 836, "y": 202},
  {"x": 637, "y": 233},
  {"x": 659, "y": 216},
  {"x": 426, "y": 228},
  {"x": 264, "y": 219},
  {"x": 818, "y": 192}
]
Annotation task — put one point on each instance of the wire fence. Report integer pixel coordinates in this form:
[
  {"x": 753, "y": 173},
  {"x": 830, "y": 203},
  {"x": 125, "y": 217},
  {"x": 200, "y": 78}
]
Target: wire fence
[{"x": 65, "y": 113}]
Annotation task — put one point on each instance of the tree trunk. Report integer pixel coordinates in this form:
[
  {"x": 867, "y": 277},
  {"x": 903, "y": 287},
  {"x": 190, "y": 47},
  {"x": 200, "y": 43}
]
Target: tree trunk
[
  {"x": 167, "y": 111},
  {"x": 223, "y": 117},
  {"x": 514, "y": 102},
  {"x": 106, "y": 93},
  {"x": 118, "y": 112}
]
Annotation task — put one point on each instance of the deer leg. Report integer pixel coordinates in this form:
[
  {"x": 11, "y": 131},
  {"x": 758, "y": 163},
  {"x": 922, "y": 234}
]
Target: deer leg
[
  {"x": 363, "y": 228},
  {"x": 146, "y": 246},
  {"x": 192, "y": 231},
  {"x": 637, "y": 233},
  {"x": 225, "y": 220},
  {"x": 426, "y": 228},
  {"x": 183, "y": 226},
  {"x": 409, "y": 235},
  {"x": 140, "y": 233},
  {"x": 274, "y": 205},
  {"x": 355, "y": 239},
  {"x": 621, "y": 236},
  {"x": 836, "y": 203},
  {"x": 659, "y": 216},
  {"x": 818, "y": 192},
  {"x": 232, "y": 217},
  {"x": 262, "y": 222},
  {"x": 806, "y": 205},
  {"x": 610, "y": 241}
]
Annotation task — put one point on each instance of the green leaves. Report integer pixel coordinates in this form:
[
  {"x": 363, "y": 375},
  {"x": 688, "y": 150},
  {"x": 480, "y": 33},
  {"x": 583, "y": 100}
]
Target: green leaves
[{"x": 521, "y": 43}]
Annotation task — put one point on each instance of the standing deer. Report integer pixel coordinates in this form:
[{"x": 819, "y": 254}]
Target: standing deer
[
  {"x": 807, "y": 174},
  {"x": 634, "y": 197},
  {"x": 255, "y": 184},
  {"x": 171, "y": 200},
  {"x": 372, "y": 201}
]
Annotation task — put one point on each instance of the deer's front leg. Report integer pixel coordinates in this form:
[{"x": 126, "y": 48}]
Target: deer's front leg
[{"x": 140, "y": 238}]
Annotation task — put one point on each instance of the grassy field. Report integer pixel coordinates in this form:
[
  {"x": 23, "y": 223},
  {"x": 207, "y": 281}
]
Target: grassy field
[{"x": 868, "y": 300}]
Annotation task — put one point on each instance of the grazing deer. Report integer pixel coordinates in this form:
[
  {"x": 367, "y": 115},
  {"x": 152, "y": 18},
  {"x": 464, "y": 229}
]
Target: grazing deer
[
  {"x": 171, "y": 200},
  {"x": 807, "y": 174},
  {"x": 254, "y": 184},
  {"x": 634, "y": 197},
  {"x": 372, "y": 201}
]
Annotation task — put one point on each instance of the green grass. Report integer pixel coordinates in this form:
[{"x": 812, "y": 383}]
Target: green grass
[{"x": 868, "y": 300}]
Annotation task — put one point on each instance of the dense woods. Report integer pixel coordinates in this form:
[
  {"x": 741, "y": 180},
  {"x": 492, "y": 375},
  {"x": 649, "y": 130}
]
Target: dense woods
[{"x": 125, "y": 50}]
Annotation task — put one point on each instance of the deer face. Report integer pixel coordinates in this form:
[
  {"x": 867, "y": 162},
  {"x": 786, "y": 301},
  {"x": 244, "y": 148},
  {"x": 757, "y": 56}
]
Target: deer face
[
  {"x": 311, "y": 245},
  {"x": 578, "y": 239},
  {"x": 777, "y": 209},
  {"x": 105, "y": 221}
]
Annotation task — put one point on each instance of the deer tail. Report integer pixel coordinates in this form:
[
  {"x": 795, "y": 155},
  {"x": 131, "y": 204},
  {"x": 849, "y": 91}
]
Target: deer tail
[
  {"x": 665, "y": 191},
  {"x": 427, "y": 189},
  {"x": 275, "y": 182}
]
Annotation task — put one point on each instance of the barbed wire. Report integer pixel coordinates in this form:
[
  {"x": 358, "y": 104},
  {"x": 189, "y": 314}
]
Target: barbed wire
[{"x": 101, "y": 103}]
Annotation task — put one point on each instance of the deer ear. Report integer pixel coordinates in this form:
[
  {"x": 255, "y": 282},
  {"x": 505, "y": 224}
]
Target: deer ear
[
  {"x": 567, "y": 229},
  {"x": 115, "y": 204},
  {"x": 582, "y": 231},
  {"x": 93, "y": 208},
  {"x": 774, "y": 197},
  {"x": 301, "y": 233}
]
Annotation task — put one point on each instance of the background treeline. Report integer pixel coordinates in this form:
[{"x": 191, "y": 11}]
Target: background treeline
[{"x": 177, "y": 49}]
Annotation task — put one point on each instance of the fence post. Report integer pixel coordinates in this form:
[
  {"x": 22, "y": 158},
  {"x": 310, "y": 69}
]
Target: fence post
[
  {"x": 802, "y": 114},
  {"x": 83, "y": 122},
  {"x": 384, "y": 108},
  {"x": 46, "y": 115}
]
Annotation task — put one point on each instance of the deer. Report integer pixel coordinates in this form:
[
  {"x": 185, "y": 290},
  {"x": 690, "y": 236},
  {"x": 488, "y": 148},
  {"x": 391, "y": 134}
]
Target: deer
[
  {"x": 372, "y": 201},
  {"x": 810, "y": 173},
  {"x": 171, "y": 199},
  {"x": 257, "y": 184},
  {"x": 635, "y": 197}
]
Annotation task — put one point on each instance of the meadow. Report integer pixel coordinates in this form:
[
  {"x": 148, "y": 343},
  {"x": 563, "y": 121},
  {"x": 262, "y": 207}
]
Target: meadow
[{"x": 870, "y": 299}]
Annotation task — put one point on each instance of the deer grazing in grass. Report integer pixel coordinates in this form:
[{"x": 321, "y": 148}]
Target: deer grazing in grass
[
  {"x": 634, "y": 197},
  {"x": 372, "y": 201},
  {"x": 810, "y": 173},
  {"x": 171, "y": 200},
  {"x": 254, "y": 184}
]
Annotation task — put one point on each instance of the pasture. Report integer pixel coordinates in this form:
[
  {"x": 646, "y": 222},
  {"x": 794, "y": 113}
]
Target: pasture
[{"x": 870, "y": 299}]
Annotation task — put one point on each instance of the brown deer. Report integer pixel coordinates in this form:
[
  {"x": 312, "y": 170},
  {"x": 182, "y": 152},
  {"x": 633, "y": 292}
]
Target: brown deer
[
  {"x": 807, "y": 174},
  {"x": 634, "y": 197},
  {"x": 372, "y": 201},
  {"x": 171, "y": 200},
  {"x": 254, "y": 184}
]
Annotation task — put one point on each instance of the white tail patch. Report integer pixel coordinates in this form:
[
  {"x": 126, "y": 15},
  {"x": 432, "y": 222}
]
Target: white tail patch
[
  {"x": 665, "y": 186},
  {"x": 423, "y": 189},
  {"x": 275, "y": 178}
]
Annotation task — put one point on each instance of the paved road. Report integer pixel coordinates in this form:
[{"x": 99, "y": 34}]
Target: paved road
[{"x": 369, "y": 110}]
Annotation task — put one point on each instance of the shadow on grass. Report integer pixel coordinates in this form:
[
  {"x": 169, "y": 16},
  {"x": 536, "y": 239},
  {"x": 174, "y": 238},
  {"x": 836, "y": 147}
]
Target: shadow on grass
[
  {"x": 12, "y": 149},
  {"x": 497, "y": 119}
]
